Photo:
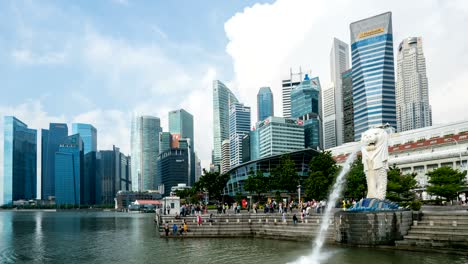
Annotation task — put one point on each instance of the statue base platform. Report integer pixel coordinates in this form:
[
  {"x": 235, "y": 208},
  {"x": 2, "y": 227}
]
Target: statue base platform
[
  {"x": 373, "y": 204},
  {"x": 371, "y": 228}
]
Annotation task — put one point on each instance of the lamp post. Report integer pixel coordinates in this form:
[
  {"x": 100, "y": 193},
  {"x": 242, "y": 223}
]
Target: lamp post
[{"x": 299, "y": 194}]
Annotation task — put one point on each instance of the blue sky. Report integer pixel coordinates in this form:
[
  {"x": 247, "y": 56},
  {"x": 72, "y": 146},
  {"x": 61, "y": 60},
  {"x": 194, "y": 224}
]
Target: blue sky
[
  {"x": 42, "y": 47},
  {"x": 100, "y": 62}
]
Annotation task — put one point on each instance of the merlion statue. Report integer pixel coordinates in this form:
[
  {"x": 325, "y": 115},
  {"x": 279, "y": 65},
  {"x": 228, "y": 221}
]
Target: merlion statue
[{"x": 375, "y": 160}]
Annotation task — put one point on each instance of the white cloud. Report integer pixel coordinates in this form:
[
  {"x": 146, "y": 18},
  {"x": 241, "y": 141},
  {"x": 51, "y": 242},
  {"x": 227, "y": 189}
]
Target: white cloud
[
  {"x": 28, "y": 57},
  {"x": 145, "y": 67},
  {"x": 113, "y": 128},
  {"x": 266, "y": 40}
]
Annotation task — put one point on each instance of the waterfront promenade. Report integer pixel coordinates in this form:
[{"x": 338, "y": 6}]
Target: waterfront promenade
[
  {"x": 258, "y": 225},
  {"x": 443, "y": 231}
]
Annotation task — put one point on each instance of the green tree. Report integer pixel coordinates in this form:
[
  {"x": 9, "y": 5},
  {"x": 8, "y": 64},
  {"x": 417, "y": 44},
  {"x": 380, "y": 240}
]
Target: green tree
[
  {"x": 399, "y": 186},
  {"x": 256, "y": 183},
  {"x": 190, "y": 195},
  {"x": 445, "y": 182},
  {"x": 322, "y": 173},
  {"x": 212, "y": 182},
  {"x": 356, "y": 184},
  {"x": 284, "y": 177}
]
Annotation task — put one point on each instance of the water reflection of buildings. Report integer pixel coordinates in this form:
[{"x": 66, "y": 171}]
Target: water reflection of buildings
[{"x": 422, "y": 150}]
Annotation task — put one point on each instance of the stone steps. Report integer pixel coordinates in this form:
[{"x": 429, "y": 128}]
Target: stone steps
[
  {"x": 251, "y": 225},
  {"x": 443, "y": 228},
  {"x": 438, "y": 230}
]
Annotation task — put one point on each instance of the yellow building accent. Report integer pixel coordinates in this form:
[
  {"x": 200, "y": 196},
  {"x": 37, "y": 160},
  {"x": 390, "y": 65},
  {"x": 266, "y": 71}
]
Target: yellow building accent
[{"x": 371, "y": 32}]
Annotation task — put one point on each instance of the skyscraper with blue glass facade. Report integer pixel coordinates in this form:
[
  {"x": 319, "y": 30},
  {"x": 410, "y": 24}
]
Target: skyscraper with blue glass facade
[
  {"x": 50, "y": 140},
  {"x": 373, "y": 74},
  {"x": 265, "y": 106},
  {"x": 239, "y": 127},
  {"x": 88, "y": 134},
  {"x": 181, "y": 122},
  {"x": 19, "y": 162},
  {"x": 69, "y": 171},
  {"x": 306, "y": 107}
]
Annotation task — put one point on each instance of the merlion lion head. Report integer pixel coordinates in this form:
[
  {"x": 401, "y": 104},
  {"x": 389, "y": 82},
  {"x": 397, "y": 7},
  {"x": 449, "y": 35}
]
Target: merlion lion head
[{"x": 374, "y": 139}]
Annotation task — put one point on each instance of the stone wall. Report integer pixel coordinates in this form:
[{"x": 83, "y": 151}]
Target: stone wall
[
  {"x": 371, "y": 228},
  {"x": 252, "y": 225}
]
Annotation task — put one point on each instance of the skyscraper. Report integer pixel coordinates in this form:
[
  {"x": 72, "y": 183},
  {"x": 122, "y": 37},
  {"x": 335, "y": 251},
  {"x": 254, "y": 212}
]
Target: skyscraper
[
  {"x": 348, "y": 110},
  {"x": 279, "y": 135},
  {"x": 339, "y": 63},
  {"x": 145, "y": 151},
  {"x": 329, "y": 117},
  {"x": 50, "y": 142},
  {"x": 239, "y": 127},
  {"x": 113, "y": 174},
  {"x": 306, "y": 106},
  {"x": 254, "y": 144},
  {"x": 19, "y": 162},
  {"x": 198, "y": 168},
  {"x": 88, "y": 135},
  {"x": 412, "y": 95},
  {"x": 265, "y": 105},
  {"x": 223, "y": 98},
  {"x": 181, "y": 122},
  {"x": 69, "y": 171},
  {"x": 373, "y": 73},
  {"x": 164, "y": 141},
  {"x": 225, "y": 158},
  {"x": 174, "y": 166},
  {"x": 287, "y": 86}
]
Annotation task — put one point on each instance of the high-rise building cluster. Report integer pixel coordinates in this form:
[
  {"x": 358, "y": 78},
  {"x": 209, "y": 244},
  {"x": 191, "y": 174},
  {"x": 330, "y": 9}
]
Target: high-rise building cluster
[
  {"x": 271, "y": 135},
  {"x": 367, "y": 94},
  {"x": 361, "y": 94},
  {"x": 74, "y": 172},
  {"x": 163, "y": 160}
]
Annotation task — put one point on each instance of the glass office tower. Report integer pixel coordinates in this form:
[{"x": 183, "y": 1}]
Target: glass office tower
[
  {"x": 348, "y": 109},
  {"x": 88, "y": 134},
  {"x": 373, "y": 73},
  {"x": 306, "y": 106},
  {"x": 113, "y": 172},
  {"x": 223, "y": 98},
  {"x": 50, "y": 142},
  {"x": 69, "y": 171},
  {"x": 181, "y": 122},
  {"x": 19, "y": 162},
  {"x": 144, "y": 152},
  {"x": 265, "y": 106},
  {"x": 239, "y": 127}
]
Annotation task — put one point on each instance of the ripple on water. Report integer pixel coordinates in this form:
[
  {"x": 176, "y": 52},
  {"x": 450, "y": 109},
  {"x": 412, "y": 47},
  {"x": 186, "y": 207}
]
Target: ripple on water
[{"x": 8, "y": 255}]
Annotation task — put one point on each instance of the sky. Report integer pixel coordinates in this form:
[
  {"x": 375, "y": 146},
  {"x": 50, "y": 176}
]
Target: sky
[{"x": 100, "y": 62}]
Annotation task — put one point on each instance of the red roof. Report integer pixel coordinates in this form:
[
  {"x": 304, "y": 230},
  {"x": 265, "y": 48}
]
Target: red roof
[{"x": 153, "y": 202}]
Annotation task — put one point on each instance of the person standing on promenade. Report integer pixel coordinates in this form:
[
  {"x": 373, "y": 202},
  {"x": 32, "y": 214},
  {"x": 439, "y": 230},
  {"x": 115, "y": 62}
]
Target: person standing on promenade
[
  {"x": 294, "y": 219},
  {"x": 166, "y": 229},
  {"x": 199, "y": 220}
]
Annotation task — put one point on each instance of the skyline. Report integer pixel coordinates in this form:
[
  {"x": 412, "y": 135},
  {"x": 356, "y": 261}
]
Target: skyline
[{"x": 232, "y": 49}]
